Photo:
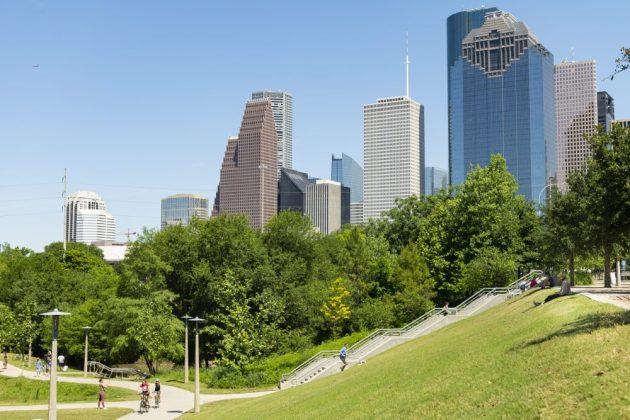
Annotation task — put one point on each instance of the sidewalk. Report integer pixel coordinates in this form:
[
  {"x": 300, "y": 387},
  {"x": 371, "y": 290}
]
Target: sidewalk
[
  {"x": 175, "y": 401},
  {"x": 615, "y": 295}
]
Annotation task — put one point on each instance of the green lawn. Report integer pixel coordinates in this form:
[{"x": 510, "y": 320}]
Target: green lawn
[
  {"x": 22, "y": 391},
  {"x": 569, "y": 358},
  {"x": 79, "y": 414}
]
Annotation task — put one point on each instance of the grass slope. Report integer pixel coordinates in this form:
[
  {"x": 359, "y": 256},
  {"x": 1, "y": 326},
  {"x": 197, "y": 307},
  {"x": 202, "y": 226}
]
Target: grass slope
[
  {"x": 22, "y": 391},
  {"x": 569, "y": 358},
  {"x": 78, "y": 414}
]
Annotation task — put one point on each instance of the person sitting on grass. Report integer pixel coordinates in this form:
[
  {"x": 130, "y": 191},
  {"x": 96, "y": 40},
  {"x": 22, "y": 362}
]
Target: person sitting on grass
[{"x": 565, "y": 290}]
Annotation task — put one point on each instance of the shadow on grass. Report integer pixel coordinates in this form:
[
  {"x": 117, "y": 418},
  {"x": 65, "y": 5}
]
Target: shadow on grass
[{"x": 583, "y": 325}]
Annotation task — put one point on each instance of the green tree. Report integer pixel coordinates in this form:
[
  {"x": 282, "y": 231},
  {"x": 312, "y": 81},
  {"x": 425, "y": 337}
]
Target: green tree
[
  {"x": 622, "y": 63},
  {"x": 565, "y": 235},
  {"x": 8, "y": 323},
  {"x": 604, "y": 185},
  {"x": 413, "y": 285},
  {"x": 246, "y": 327},
  {"x": 27, "y": 326},
  {"x": 490, "y": 268},
  {"x": 146, "y": 328}
]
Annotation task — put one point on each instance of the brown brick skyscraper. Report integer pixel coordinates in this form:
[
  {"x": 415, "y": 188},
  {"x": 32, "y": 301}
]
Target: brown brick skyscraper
[{"x": 248, "y": 182}]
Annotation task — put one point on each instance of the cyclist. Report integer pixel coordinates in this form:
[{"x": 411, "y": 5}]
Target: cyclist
[
  {"x": 157, "y": 391},
  {"x": 144, "y": 392}
]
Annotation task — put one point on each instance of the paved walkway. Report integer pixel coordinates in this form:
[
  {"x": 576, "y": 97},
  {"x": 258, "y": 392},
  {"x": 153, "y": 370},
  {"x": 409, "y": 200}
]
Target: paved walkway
[
  {"x": 175, "y": 401},
  {"x": 616, "y": 295}
]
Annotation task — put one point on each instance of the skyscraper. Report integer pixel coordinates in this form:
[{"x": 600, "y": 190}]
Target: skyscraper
[
  {"x": 179, "y": 209},
  {"x": 282, "y": 108},
  {"x": 292, "y": 190},
  {"x": 87, "y": 220},
  {"x": 605, "y": 110},
  {"x": 248, "y": 182},
  {"x": 350, "y": 174},
  {"x": 435, "y": 179},
  {"x": 458, "y": 25},
  {"x": 323, "y": 205},
  {"x": 576, "y": 115},
  {"x": 502, "y": 101},
  {"x": 393, "y": 145}
]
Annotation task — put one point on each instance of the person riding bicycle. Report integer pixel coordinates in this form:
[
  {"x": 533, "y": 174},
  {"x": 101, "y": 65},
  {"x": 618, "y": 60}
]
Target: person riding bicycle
[
  {"x": 157, "y": 390},
  {"x": 144, "y": 388}
]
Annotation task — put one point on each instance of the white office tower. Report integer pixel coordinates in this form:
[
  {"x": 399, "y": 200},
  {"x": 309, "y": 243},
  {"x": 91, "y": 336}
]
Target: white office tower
[
  {"x": 282, "y": 109},
  {"x": 393, "y": 153},
  {"x": 576, "y": 115},
  {"x": 356, "y": 213},
  {"x": 86, "y": 219},
  {"x": 323, "y": 205}
]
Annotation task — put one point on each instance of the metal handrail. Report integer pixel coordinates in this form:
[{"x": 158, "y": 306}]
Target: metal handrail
[
  {"x": 359, "y": 345},
  {"x": 528, "y": 276}
]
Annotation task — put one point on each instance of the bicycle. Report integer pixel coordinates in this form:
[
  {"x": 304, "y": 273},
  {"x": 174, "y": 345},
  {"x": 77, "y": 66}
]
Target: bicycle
[
  {"x": 156, "y": 396},
  {"x": 144, "y": 403}
]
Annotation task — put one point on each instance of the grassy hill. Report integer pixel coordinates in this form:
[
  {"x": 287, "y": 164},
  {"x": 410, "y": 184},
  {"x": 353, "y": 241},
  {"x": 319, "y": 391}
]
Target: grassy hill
[{"x": 569, "y": 358}]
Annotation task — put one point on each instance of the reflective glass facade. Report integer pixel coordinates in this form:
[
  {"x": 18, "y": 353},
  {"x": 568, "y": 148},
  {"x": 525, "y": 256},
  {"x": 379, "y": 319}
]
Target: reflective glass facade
[
  {"x": 179, "y": 209},
  {"x": 502, "y": 101},
  {"x": 435, "y": 179},
  {"x": 458, "y": 25},
  {"x": 347, "y": 171}
]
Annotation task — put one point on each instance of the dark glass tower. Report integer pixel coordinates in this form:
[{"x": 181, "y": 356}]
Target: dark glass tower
[
  {"x": 605, "y": 110},
  {"x": 458, "y": 25},
  {"x": 292, "y": 190},
  {"x": 503, "y": 101}
]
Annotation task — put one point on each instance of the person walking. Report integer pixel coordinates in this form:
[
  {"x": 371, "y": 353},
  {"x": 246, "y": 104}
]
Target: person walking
[
  {"x": 39, "y": 367},
  {"x": 62, "y": 360},
  {"x": 343, "y": 353},
  {"x": 101, "y": 394},
  {"x": 5, "y": 358}
]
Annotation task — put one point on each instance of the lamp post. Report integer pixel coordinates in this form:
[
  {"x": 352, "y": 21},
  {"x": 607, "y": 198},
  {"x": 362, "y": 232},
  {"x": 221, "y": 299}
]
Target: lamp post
[
  {"x": 186, "y": 318},
  {"x": 52, "y": 400},
  {"x": 85, "y": 357},
  {"x": 197, "y": 320},
  {"x": 543, "y": 190}
]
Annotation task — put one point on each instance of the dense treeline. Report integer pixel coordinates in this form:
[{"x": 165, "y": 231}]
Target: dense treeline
[{"x": 288, "y": 287}]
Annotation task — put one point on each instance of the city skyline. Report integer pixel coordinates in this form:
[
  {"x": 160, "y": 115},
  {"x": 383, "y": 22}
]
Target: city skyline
[{"x": 124, "y": 91}]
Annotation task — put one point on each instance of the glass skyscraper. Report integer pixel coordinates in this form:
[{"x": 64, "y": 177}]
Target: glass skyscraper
[
  {"x": 347, "y": 171},
  {"x": 458, "y": 25},
  {"x": 435, "y": 179},
  {"x": 502, "y": 101},
  {"x": 179, "y": 209}
]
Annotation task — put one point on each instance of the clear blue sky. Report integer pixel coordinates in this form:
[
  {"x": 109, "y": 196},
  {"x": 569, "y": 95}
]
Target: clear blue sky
[{"x": 137, "y": 98}]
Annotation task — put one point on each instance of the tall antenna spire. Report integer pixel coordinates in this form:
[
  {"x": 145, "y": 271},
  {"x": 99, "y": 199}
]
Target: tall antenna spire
[{"x": 407, "y": 60}]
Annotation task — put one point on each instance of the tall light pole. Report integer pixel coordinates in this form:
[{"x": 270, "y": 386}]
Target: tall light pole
[
  {"x": 186, "y": 318},
  {"x": 543, "y": 190},
  {"x": 85, "y": 356},
  {"x": 52, "y": 400},
  {"x": 197, "y": 320},
  {"x": 262, "y": 168}
]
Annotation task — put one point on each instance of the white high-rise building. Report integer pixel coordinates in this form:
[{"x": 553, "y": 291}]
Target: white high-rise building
[
  {"x": 393, "y": 150},
  {"x": 576, "y": 115},
  {"x": 282, "y": 108},
  {"x": 323, "y": 205},
  {"x": 356, "y": 213},
  {"x": 86, "y": 219}
]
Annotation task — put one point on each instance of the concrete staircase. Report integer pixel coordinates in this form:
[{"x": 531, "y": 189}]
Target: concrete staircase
[{"x": 327, "y": 362}]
